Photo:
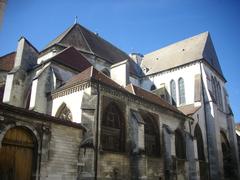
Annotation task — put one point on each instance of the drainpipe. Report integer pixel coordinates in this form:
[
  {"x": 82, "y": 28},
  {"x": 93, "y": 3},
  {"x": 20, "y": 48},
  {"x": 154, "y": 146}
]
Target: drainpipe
[
  {"x": 205, "y": 118},
  {"x": 96, "y": 135}
]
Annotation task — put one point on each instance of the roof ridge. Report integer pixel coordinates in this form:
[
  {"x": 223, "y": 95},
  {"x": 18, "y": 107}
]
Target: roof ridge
[
  {"x": 61, "y": 36},
  {"x": 85, "y": 38},
  {"x": 66, "y": 32}
]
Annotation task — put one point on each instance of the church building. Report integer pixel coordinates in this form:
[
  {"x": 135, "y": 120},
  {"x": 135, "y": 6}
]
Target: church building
[{"x": 81, "y": 108}]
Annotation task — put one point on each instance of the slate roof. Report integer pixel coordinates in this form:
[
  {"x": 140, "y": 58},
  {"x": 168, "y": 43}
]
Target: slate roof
[
  {"x": 7, "y": 62},
  {"x": 183, "y": 52},
  {"x": 70, "y": 57},
  {"x": 83, "y": 39},
  {"x": 146, "y": 95}
]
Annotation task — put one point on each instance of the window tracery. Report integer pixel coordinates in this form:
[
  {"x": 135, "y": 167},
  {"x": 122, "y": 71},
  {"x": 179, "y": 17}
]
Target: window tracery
[
  {"x": 151, "y": 136},
  {"x": 180, "y": 145},
  {"x": 181, "y": 90},
  {"x": 173, "y": 92},
  {"x": 112, "y": 129}
]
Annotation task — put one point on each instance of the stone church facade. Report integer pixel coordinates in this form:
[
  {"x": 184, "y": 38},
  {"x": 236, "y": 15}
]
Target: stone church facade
[{"x": 83, "y": 109}]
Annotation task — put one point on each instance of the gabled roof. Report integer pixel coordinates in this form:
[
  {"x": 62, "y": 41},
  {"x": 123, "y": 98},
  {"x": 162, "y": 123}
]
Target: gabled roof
[
  {"x": 199, "y": 47},
  {"x": 87, "y": 41},
  {"x": 151, "y": 97},
  {"x": 91, "y": 74},
  {"x": 71, "y": 58},
  {"x": 7, "y": 62}
]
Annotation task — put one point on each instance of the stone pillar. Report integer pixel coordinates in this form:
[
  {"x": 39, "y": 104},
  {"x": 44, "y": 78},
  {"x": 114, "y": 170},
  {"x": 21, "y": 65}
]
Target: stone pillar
[
  {"x": 136, "y": 142},
  {"x": 86, "y": 153},
  {"x": 213, "y": 159},
  {"x": 192, "y": 172},
  {"x": 169, "y": 152}
]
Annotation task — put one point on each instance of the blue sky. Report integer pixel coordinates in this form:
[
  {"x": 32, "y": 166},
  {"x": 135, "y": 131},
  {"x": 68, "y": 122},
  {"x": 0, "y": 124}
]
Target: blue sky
[{"x": 133, "y": 25}]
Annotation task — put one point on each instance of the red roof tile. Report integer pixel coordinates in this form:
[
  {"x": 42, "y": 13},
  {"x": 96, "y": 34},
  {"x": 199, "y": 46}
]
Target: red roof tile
[
  {"x": 7, "y": 61},
  {"x": 91, "y": 74},
  {"x": 151, "y": 97}
]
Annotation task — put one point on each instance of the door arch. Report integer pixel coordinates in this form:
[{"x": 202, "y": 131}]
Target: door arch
[{"x": 18, "y": 154}]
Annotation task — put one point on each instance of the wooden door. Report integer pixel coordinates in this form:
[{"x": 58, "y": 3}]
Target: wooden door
[{"x": 16, "y": 155}]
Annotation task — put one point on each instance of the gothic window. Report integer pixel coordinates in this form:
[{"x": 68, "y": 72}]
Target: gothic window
[
  {"x": 173, "y": 92},
  {"x": 153, "y": 87},
  {"x": 64, "y": 113},
  {"x": 151, "y": 136},
  {"x": 112, "y": 129},
  {"x": 180, "y": 145},
  {"x": 215, "y": 90},
  {"x": 199, "y": 139},
  {"x": 181, "y": 91},
  {"x": 219, "y": 95}
]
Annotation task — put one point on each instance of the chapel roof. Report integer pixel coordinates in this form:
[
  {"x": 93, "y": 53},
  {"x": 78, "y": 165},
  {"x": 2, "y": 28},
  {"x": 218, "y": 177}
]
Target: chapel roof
[
  {"x": 7, "y": 62},
  {"x": 153, "y": 98},
  {"x": 87, "y": 41},
  {"x": 71, "y": 58},
  {"x": 199, "y": 47},
  {"x": 91, "y": 74}
]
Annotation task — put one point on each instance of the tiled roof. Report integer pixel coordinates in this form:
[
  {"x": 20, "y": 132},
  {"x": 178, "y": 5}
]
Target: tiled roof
[
  {"x": 151, "y": 97},
  {"x": 91, "y": 74},
  {"x": 7, "y": 61},
  {"x": 83, "y": 39},
  {"x": 189, "y": 109},
  {"x": 199, "y": 47},
  {"x": 72, "y": 58}
]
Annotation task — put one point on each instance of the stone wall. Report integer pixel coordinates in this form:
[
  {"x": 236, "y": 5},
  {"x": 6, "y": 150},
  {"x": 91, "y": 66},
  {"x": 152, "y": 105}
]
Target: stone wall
[{"x": 57, "y": 141}]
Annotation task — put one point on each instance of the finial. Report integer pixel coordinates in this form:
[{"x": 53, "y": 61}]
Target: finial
[{"x": 76, "y": 20}]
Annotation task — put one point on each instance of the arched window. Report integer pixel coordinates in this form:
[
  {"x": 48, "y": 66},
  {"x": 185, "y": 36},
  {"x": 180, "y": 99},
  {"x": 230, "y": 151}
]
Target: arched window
[
  {"x": 200, "y": 146},
  {"x": 173, "y": 92},
  {"x": 153, "y": 87},
  {"x": 180, "y": 145},
  {"x": 64, "y": 113},
  {"x": 215, "y": 90},
  {"x": 181, "y": 91},
  {"x": 151, "y": 136},
  {"x": 213, "y": 87},
  {"x": 219, "y": 95},
  {"x": 112, "y": 129}
]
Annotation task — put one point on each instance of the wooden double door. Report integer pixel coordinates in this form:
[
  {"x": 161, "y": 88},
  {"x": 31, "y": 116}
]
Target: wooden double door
[{"x": 17, "y": 155}]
